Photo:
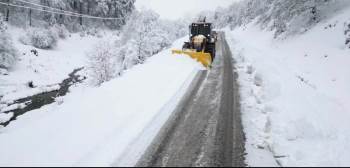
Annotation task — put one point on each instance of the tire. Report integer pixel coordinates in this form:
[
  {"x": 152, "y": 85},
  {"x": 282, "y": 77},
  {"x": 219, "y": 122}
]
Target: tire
[{"x": 211, "y": 51}]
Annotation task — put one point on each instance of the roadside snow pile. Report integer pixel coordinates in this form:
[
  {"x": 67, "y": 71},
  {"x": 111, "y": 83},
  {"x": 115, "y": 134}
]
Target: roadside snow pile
[
  {"x": 295, "y": 95},
  {"x": 99, "y": 126}
]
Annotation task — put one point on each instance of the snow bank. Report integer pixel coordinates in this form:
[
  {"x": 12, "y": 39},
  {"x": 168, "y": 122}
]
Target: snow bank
[
  {"x": 295, "y": 97},
  {"x": 13, "y": 107},
  {"x": 97, "y": 126},
  {"x": 5, "y": 117}
]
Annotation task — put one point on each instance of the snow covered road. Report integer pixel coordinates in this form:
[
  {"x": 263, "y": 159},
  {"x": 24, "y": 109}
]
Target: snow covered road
[
  {"x": 206, "y": 128},
  {"x": 98, "y": 126}
]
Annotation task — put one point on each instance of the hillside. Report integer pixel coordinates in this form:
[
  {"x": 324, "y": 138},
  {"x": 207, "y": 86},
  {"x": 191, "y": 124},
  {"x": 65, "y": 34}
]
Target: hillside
[{"x": 294, "y": 93}]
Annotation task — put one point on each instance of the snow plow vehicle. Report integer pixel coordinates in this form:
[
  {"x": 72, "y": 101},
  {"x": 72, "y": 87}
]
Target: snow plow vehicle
[{"x": 201, "y": 45}]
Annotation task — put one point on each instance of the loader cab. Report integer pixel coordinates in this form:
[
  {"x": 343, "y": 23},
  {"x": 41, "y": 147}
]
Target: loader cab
[
  {"x": 202, "y": 42},
  {"x": 202, "y": 28}
]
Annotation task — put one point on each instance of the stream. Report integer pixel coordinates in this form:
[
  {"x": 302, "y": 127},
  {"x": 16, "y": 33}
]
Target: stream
[{"x": 39, "y": 100}]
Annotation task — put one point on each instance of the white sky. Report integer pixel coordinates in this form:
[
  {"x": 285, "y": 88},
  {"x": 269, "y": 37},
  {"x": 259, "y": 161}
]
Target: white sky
[{"x": 174, "y": 9}]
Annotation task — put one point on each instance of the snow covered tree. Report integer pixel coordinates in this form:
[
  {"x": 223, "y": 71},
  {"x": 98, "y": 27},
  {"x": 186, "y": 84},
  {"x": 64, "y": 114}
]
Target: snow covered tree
[
  {"x": 3, "y": 25},
  {"x": 220, "y": 17},
  {"x": 60, "y": 30},
  {"x": 173, "y": 29},
  {"x": 42, "y": 38},
  {"x": 145, "y": 34},
  {"x": 347, "y": 34},
  {"x": 8, "y": 53},
  {"x": 24, "y": 17},
  {"x": 102, "y": 63},
  {"x": 281, "y": 16}
]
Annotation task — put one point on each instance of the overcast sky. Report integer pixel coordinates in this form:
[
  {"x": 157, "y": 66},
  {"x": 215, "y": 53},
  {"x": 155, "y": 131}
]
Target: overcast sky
[{"x": 173, "y": 9}]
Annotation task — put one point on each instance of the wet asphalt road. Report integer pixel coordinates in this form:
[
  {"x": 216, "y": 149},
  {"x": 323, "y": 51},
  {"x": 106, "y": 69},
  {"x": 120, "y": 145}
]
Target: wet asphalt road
[{"x": 205, "y": 129}]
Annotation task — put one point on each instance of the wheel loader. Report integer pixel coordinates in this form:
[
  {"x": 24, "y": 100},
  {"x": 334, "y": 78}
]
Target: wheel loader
[{"x": 201, "y": 45}]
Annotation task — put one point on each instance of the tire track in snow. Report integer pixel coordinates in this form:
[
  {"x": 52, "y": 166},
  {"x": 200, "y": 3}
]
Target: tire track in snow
[{"x": 206, "y": 128}]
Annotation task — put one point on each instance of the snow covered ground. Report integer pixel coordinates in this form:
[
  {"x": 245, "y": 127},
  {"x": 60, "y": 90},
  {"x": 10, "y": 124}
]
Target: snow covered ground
[
  {"x": 49, "y": 68},
  {"x": 108, "y": 125},
  {"x": 295, "y": 94}
]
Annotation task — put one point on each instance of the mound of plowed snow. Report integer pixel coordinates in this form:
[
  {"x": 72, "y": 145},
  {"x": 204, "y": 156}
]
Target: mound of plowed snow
[{"x": 98, "y": 126}]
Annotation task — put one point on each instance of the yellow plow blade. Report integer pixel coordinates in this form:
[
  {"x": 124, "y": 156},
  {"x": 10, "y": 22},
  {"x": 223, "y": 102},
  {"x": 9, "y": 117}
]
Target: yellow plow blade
[{"x": 202, "y": 57}]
